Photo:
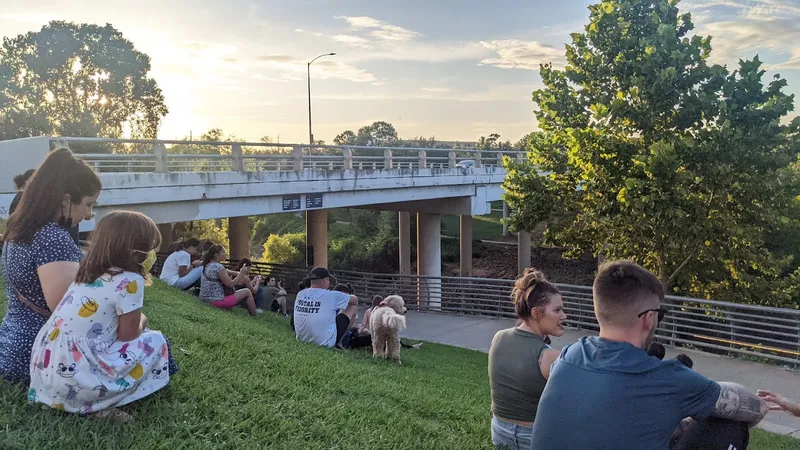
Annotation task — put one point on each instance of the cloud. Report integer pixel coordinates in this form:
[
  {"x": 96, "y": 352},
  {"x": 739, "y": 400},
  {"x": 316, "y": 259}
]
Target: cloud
[
  {"x": 441, "y": 90},
  {"x": 380, "y": 29},
  {"x": 354, "y": 41},
  {"x": 518, "y": 54},
  {"x": 295, "y": 69},
  {"x": 749, "y": 27}
]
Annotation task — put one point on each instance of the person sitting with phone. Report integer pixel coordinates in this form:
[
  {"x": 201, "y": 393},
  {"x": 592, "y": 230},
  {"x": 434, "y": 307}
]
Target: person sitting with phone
[
  {"x": 258, "y": 296},
  {"x": 275, "y": 295}
]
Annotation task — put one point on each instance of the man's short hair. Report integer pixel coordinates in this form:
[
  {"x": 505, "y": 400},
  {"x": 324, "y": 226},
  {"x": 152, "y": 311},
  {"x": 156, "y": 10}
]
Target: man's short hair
[{"x": 620, "y": 289}]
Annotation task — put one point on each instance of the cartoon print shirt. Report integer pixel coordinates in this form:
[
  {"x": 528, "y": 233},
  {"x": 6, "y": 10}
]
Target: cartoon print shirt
[{"x": 77, "y": 362}]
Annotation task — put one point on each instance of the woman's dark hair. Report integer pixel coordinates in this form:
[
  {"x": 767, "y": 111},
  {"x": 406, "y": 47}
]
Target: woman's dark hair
[
  {"x": 685, "y": 360},
  {"x": 244, "y": 262},
  {"x": 531, "y": 290},
  {"x": 191, "y": 242},
  {"x": 59, "y": 174},
  {"x": 211, "y": 253},
  {"x": 657, "y": 350},
  {"x": 21, "y": 179},
  {"x": 376, "y": 300},
  {"x": 342, "y": 287},
  {"x": 120, "y": 242}
]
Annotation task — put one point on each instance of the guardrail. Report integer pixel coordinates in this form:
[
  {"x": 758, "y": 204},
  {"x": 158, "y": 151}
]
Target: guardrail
[
  {"x": 141, "y": 155},
  {"x": 713, "y": 326}
]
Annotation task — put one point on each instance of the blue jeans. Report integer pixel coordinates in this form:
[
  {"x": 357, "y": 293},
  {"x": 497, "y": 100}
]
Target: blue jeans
[
  {"x": 510, "y": 436},
  {"x": 185, "y": 282}
]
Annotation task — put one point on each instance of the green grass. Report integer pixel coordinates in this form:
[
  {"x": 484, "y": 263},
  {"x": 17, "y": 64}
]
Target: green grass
[
  {"x": 246, "y": 383},
  {"x": 483, "y": 227}
]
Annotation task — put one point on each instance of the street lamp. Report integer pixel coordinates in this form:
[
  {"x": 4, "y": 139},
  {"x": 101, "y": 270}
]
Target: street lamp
[{"x": 310, "y": 134}]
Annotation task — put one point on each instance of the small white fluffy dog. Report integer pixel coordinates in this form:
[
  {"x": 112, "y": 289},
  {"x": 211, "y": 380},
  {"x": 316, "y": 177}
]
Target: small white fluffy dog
[{"x": 385, "y": 324}]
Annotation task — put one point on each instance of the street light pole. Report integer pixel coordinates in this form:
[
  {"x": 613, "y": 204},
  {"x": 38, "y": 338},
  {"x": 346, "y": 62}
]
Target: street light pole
[
  {"x": 308, "y": 67},
  {"x": 311, "y": 143}
]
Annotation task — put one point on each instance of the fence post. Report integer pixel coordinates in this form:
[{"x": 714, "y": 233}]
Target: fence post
[
  {"x": 348, "y": 158},
  {"x": 387, "y": 159},
  {"x": 499, "y": 159},
  {"x": 297, "y": 158},
  {"x": 478, "y": 159},
  {"x": 451, "y": 156},
  {"x": 160, "y": 152},
  {"x": 237, "y": 161},
  {"x": 423, "y": 159}
]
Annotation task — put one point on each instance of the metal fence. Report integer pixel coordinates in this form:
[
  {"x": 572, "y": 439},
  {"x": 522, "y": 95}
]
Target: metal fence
[
  {"x": 138, "y": 155},
  {"x": 712, "y": 326}
]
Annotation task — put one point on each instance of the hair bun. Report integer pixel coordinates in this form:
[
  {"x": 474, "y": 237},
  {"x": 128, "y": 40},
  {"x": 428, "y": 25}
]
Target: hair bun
[{"x": 531, "y": 277}]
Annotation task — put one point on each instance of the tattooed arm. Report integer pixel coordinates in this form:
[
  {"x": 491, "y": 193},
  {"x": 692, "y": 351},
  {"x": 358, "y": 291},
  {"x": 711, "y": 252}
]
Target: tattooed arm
[{"x": 736, "y": 403}]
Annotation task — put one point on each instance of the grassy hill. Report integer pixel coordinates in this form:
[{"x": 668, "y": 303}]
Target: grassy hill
[{"x": 247, "y": 383}]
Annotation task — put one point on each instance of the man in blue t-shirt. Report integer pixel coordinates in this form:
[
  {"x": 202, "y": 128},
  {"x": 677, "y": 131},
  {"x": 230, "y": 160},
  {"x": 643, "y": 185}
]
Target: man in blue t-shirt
[
  {"x": 605, "y": 392},
  {"x": 322, "y": 316}
]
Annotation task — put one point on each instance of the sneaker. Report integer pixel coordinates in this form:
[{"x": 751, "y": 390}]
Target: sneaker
[
  {"x": 259, "y": 311},
  {"x": 417, "y": 346}
]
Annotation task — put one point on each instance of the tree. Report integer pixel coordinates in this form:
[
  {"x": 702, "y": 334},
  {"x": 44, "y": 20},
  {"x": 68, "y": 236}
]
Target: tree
[
  {"x": 650, "y": 153},
  {"x": 77, "y": 80},
  {"x": 284, "y": 249},
  {"x": 376, "y": 135},
  {"x": 493, "y": 142}
]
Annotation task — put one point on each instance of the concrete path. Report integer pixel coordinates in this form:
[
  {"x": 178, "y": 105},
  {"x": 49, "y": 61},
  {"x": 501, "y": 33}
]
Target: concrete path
[{"x": 476, "y": 332}]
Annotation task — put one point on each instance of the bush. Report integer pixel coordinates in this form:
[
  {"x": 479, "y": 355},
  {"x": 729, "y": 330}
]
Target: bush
[{"x": 286, "y": 249}]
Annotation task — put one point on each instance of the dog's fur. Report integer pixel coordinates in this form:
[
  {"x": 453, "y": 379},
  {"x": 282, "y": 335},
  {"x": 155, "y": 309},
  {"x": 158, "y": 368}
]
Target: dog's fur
[{"x": 385, "y": 324}]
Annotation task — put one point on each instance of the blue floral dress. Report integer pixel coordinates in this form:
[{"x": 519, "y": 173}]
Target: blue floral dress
[{"x": 51, "y": 243}]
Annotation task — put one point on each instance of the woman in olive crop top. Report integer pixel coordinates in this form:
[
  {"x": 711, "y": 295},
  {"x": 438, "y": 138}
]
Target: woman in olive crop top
[{"x": 520, "y": 359}]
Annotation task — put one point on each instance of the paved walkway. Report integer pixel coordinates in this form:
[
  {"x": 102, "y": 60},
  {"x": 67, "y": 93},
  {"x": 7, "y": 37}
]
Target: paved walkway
[{"x": 476, "y": 332}]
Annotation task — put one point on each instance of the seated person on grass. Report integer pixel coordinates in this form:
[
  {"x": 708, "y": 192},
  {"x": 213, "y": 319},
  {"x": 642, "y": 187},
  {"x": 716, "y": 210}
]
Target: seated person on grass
[
  {"x": 606, "y": 392},
  {"x": 258, "y": 296},
  {"x": 179, "y": 270},
  {"x": 217, "y": 284},
  {"x": 275, "y": 295},
  {"x": 322, "y": 316}
]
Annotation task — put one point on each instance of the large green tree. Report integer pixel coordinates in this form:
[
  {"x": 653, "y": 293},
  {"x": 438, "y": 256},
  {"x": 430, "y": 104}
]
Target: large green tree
[
  {"x": 651, "y": 153},
  {"x": 77, "y": 80},
  {"x": 375, "y": 135}
]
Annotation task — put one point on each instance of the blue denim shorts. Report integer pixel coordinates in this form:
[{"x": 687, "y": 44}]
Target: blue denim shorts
[{"x": 510, "y": 435}]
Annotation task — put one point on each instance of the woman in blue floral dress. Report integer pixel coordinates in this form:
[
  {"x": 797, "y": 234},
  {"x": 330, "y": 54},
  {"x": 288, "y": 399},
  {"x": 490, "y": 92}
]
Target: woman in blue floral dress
[{"x": 40, "y": 259}]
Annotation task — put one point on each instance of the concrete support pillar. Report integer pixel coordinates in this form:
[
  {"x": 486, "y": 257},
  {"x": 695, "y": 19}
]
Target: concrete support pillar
[
  {"x": 523, "y": 251},
  {"x": 506, "y": 213},
  {"x": 466, "y": 246},
  {"x": 404, "y": 241},
  {"x": 317, "y": 236},
  {"x": 239, "y": 237},
  {"x": 166, "y": 235},
  {"x": 429, "y": 259}
]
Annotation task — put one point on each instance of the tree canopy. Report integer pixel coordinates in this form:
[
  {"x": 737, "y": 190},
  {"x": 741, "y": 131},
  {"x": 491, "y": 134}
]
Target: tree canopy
[
  {"x": 77, "y": 80},
  {"x": 375, "y": 135},
  {"x": 651, "y": 153}
]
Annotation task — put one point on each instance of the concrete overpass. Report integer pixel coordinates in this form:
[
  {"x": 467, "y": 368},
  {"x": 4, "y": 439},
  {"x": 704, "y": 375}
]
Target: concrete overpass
[{"x": 213, "y": 180}]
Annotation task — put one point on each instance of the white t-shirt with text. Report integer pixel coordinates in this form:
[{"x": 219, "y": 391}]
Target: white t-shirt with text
[
  {"x": 169, "y": 271},
  {"x": 315, "y": 315}
]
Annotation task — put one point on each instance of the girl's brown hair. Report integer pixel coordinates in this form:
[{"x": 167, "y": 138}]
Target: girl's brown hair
[
  {"x": 212, "y": 251},
  {"x": 120, "y": 242},
  {"x": 376, "y": 300},
  {"x": 59, "y": 174},
  {"x": 531, "y": 290}
]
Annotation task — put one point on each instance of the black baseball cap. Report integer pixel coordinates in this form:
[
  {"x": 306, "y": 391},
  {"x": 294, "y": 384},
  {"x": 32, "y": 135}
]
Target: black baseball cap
[{"x": 318, "y": 273}]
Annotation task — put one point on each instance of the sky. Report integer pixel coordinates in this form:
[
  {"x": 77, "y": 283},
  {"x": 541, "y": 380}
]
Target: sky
[{"x": 453, "y": 69}]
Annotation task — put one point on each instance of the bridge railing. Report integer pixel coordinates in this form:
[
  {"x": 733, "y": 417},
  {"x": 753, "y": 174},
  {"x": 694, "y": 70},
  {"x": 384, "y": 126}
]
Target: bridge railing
[
  {"x": 733, "y": 329},
  {"x": 138, "y": 155}
]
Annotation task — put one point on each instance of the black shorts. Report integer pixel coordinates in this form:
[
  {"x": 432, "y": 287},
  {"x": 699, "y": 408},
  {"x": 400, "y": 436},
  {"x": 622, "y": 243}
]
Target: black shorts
[{"x": 342, "y": 325}]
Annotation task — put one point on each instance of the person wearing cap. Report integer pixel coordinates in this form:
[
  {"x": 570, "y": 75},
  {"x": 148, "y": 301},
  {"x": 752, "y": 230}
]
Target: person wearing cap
[{"x": 322, "y": 316}]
